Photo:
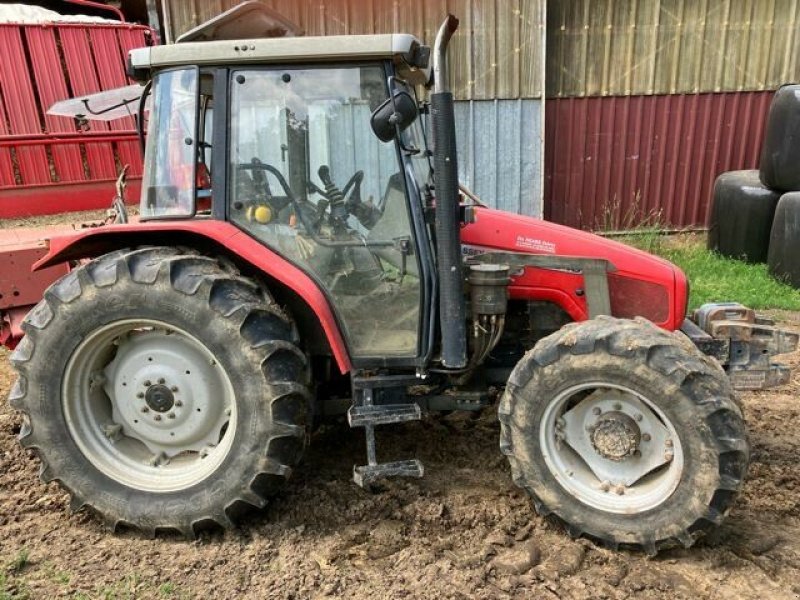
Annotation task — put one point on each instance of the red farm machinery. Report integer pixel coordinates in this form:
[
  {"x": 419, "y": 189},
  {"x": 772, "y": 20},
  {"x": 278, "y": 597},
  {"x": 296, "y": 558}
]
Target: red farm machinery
[{"x": 301, "y": 239}]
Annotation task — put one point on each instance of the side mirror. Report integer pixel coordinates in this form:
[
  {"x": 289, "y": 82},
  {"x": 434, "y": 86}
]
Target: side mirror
[{"x": 393, "y": 116}]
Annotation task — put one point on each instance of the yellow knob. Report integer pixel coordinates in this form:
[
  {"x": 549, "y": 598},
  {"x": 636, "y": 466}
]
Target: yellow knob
[{"x": 261, "y": 214}]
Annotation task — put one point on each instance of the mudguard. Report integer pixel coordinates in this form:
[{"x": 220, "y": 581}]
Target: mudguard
[{"x": 207, "y": 234}]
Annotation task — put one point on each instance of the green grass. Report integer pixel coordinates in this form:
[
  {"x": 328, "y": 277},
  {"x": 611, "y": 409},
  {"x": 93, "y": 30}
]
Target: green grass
[
  {"x": 717, "y": 279},
  {"x": 19, "y": 562}
]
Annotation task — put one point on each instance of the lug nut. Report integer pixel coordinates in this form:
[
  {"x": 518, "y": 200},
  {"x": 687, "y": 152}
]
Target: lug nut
[
  {"x": 639, "y": 418},
  {"x": 174, "y": 388},
  {"x": 140, "y": 395},
  {"x": 605, "y": 486},
  {"x": 668, "y": 443},
  {"x": 561, "y": 423},
  {"x": 619, "y": 490},
  {"x": 157, "y": 417},
  {"x": 161, "y": 380},
  {"x": 145, "y": 409},
  {"x": 645, "y": 437},
  {"x": 178, "y": 403},
  {"x": 171, "y": 416},
  {"x": 596, "y": 410},
  {"x": 147, "y": 383},
  {"x": 668, "y": 455},
  {"x": 617, "y": 406}
]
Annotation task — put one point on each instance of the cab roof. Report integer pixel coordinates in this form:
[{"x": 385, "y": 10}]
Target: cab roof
[{"x": 405, "y": 50}]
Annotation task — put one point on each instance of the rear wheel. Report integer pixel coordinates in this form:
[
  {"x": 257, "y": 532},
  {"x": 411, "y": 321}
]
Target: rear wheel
[
  {"x": 626, "y": 433},
  {"x": 163, "y": 390}
]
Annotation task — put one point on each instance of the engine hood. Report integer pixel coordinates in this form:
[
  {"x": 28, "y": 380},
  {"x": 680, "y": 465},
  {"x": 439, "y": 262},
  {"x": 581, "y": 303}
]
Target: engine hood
[{"x": 639, "y": 282}]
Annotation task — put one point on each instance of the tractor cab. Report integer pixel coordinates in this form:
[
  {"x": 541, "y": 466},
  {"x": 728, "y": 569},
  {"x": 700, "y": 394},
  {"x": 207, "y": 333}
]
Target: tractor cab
[{"x": 323, "y": 162}]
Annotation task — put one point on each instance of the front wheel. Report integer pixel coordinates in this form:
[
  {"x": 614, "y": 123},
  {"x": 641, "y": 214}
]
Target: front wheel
[
  {"x": 626, "y": 433},
  {"x": 162, "y": 390}
]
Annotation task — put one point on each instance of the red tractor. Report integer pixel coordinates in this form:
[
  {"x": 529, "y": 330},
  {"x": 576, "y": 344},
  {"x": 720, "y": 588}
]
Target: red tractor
[{"x": 298, "y": 243}]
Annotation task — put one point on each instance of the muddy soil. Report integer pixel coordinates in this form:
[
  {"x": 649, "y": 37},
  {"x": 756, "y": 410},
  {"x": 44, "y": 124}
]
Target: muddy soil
[{"x": 463, "y": 531}]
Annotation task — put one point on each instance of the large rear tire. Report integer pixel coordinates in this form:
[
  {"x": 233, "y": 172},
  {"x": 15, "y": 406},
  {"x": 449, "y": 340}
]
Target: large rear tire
[
  {"x": 625, "y": 433},
  {"x": 162, "y": 390}
]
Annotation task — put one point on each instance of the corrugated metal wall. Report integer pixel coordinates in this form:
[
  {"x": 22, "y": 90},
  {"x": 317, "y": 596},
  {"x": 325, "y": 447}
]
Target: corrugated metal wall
[
  {"x": 507, "y": 130},
  {"x": 496, "y": 53},
  {"x": 672, "y": 93},
  {"x": 617, "y": 162},
  {"x": 496, "y": 72},
  {"x": 632, "y": 47}
]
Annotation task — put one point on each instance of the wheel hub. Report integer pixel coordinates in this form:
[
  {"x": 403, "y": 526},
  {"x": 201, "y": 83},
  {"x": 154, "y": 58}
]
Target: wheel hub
[
  {"x": 615, "y": 436},
  {"x": 159, "y": 398},
  {"x": 166, "y": 393},
  {"x": 611, "y": 448}
]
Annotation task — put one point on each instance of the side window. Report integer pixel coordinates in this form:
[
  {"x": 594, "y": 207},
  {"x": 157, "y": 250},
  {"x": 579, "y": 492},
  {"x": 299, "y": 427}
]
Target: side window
[{"x": 310, "y": 179}]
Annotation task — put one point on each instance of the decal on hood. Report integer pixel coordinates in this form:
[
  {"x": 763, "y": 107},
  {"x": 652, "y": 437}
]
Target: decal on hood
[{"x": 529, "y": 243}]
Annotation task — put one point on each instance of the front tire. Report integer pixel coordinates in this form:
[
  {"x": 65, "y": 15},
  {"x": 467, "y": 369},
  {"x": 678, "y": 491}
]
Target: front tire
[
  {"x": 162, "y": 390},
  {"x": 625, "y": 433}
]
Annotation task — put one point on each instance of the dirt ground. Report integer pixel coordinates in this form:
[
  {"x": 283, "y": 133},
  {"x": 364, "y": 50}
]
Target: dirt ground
[
  {"x": 463, "y": 531},
  {"x": 457, "y": 533}
]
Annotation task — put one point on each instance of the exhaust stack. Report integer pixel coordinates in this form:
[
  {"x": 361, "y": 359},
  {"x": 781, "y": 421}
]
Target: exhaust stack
[{"x": 452, "y": 312}]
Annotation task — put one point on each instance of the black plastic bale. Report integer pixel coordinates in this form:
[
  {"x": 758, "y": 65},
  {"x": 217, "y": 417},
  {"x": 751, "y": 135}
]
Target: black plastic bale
[
  {"x": 741, "y": 216},
  {"x": 780, "y": 154},
  {"x": 784, "y": 245}
]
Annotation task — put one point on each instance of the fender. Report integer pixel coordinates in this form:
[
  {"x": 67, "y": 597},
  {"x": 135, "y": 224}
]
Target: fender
[{"x": 90, "y": 243}]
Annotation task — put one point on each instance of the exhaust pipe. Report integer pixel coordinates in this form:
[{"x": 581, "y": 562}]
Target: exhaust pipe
[{"x": 452, "y": 312}]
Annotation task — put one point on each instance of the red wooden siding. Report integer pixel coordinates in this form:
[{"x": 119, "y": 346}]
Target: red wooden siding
[
  {"x": 46, "y": 163},
  {"x": 614, "y": 161}
]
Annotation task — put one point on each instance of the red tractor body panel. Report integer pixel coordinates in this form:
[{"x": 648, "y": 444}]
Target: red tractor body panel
[
  {"x": 641, "y": 284},
  {"x": 93, "y": 242}
]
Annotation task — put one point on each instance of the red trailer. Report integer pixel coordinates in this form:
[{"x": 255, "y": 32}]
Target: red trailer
[{"x": 51, "y": 164}]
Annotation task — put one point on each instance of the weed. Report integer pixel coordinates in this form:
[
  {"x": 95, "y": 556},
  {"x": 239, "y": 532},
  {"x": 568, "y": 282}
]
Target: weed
[
  {"x": 19, "y": 562},
  {"x": 55, "y": 575},
  {"x": 18, "y": 591}
]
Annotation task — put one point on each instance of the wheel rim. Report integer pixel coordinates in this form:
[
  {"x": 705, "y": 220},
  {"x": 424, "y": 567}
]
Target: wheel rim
[
  {"x": 149, "y": 405},
  {"x": 611, "y": 448}
]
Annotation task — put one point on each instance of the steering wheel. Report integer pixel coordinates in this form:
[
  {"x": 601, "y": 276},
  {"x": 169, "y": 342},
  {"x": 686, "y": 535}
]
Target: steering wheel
[{"x": 259, "y": 171}]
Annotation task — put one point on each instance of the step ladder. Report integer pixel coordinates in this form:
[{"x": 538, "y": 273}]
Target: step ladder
[{"x": 365, "y": 413}]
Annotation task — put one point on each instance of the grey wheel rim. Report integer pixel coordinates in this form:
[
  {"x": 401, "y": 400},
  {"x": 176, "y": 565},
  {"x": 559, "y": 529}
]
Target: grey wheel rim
[
  {"x": 611, "y": 448},
  {"x": 149, "y": 405}
]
